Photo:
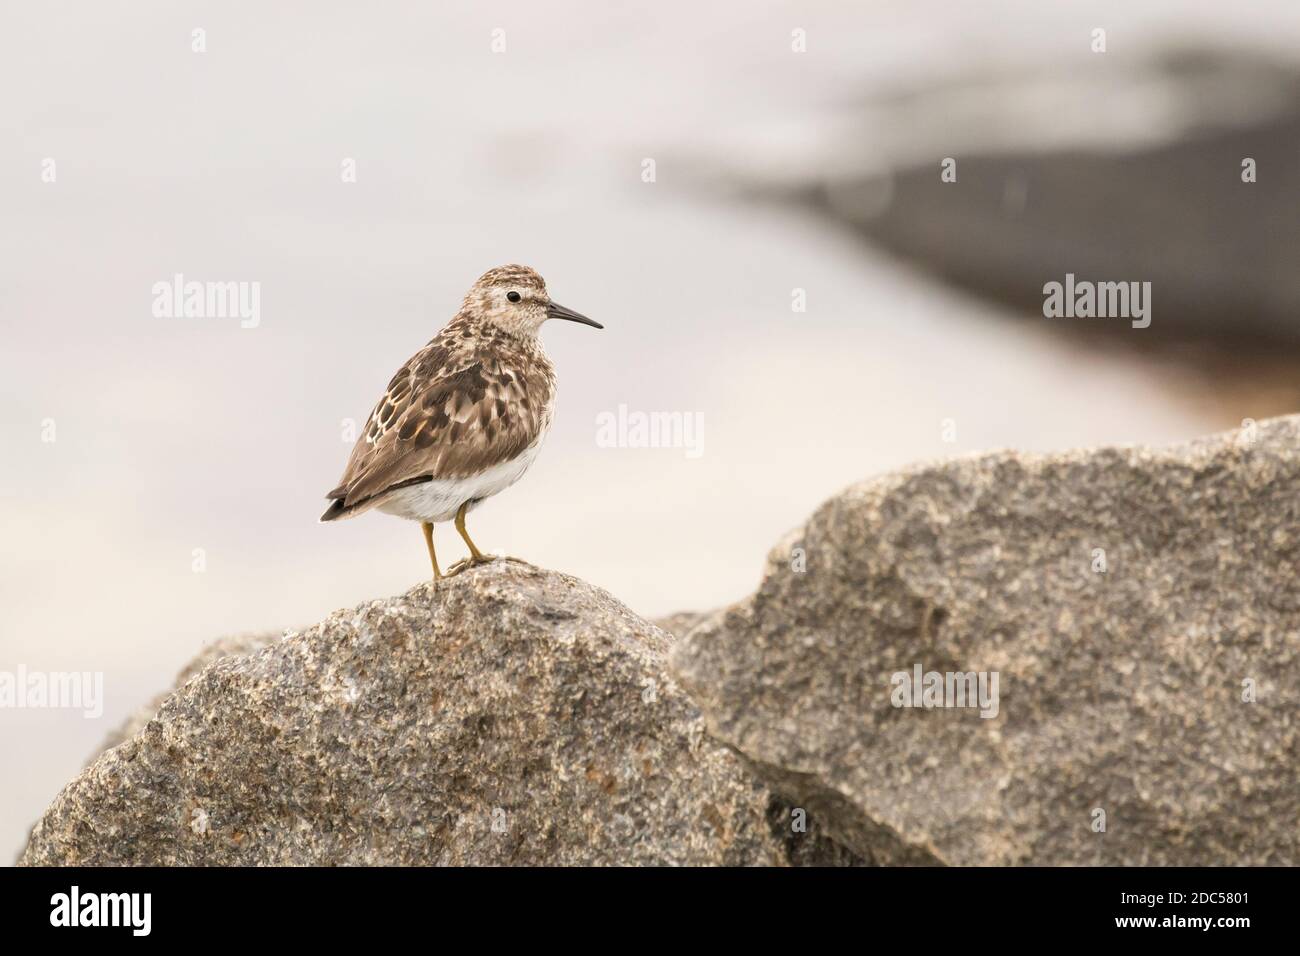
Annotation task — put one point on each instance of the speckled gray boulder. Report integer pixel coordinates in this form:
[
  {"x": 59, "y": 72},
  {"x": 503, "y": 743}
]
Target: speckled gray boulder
[
  {"x": 511, "y": 716},
  {"x": 224, "y": 647},
  {"x": 1121, "y": 690}
]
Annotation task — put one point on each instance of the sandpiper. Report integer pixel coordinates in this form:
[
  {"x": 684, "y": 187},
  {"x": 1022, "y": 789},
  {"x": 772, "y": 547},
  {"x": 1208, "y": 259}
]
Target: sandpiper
[{"x": 464, "y": 417}]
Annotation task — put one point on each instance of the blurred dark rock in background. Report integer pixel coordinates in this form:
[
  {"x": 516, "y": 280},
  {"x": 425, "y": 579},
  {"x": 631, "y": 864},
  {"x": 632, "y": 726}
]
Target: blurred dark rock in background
[{"x": 1131, "y": 173}]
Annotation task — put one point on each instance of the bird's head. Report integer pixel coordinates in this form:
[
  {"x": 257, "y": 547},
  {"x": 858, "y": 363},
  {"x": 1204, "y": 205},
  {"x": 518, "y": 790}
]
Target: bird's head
[{"x": 515, "y": 299}]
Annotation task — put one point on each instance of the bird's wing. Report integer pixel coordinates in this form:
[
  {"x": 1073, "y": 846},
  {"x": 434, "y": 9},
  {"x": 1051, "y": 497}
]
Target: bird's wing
[{"x": 444, "y": 415}]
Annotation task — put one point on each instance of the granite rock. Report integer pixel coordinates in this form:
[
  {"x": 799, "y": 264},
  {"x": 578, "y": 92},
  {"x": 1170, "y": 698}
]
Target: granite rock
[
  {"x": 509, "y": 716},
  {"x": 1141, "y": 609}
]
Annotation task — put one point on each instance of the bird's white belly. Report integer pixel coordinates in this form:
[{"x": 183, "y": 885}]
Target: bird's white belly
[{"x": 438, "y": 500}]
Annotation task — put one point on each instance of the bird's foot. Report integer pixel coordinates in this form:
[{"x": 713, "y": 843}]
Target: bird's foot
[{"x": 470, "y": 562}]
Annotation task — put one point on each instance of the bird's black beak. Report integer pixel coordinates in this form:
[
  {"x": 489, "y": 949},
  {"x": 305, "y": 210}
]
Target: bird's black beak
[{"x": 556, "y": 311}]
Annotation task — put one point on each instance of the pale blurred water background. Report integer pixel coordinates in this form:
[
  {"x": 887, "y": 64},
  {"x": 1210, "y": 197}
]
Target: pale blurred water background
[{"x": 177, "y": 434}]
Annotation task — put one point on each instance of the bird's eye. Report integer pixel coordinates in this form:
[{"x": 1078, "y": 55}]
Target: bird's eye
[{"x": 512, "y": 296}]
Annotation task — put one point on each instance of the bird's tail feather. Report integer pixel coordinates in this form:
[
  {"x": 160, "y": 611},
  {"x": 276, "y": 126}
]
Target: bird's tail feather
[{"x": 337, "y": 509}]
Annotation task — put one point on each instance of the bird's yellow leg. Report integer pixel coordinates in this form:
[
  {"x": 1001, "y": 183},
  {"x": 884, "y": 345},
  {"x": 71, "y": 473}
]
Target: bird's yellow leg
[
  {"x": 427, "y": 528},
  {"x": 476, "y": 556}
]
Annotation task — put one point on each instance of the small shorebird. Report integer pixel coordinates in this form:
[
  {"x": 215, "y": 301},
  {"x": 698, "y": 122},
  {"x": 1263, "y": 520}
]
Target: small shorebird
[{"x": 464, "y": 417}]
